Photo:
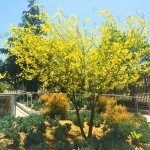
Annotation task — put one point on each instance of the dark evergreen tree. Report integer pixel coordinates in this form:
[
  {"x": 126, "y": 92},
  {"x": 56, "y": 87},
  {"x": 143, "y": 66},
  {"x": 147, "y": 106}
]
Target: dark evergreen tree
[{"x": 30, "y": 17}]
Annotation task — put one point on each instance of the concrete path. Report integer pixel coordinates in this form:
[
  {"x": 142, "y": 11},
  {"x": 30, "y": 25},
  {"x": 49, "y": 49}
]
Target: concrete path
[
  {"x": 147, "y": 117},
  {"x": 20, "y": 112}
]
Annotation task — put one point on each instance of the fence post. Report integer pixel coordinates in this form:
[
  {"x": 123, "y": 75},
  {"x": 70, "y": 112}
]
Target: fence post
[
  {"x": 13, "y": 104},
  {"x": 136, "y": 103}
]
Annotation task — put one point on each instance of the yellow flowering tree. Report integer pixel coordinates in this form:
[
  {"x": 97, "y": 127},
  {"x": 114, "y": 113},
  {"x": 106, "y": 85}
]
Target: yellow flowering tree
[{"x": 81, "y": 60}]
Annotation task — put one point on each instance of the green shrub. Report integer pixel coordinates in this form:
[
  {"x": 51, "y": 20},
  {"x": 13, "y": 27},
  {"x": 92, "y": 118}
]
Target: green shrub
[
  {"x": 33, "y": 126},
  {"x": 146, "y": 147},
  {"x": 144, "y": 129},
  {"x": 34, "y": 137},
  {"x": 110, "y": 142},
  {"x": 64, "y": 145},
  {"x": 88, "y": 144},
  {"x": 8, "y": 128},
  {"x": 139, "y": 118},
  {"x": 53, "y": 122},
  {"x": 117, "y": 138},
  {"x": 55, "y": 104},
  {"x": 84, "y": 117},
  {"x": 123, "y": 129},
  {"x": 60, "y": 132},
  {"x": 37, "y": 105}
]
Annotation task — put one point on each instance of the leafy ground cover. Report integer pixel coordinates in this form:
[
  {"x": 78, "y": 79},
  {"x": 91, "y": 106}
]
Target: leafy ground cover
[{"x": 113, "y": 128}]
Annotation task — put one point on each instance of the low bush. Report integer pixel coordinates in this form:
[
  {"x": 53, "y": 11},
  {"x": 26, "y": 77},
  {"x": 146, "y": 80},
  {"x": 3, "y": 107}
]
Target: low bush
[
  {"x": 84, "y": 117},
  {"x": 146, "y": 147},
  {"x": 60, "y": 132},
  {"x": 37, "y": 105},
  {"x": 113, "y": 144},
  {"x": 64, "y": 145},
  {"x": 144, "y": 129},
  {"x": 33, "y": 127},
  {"x": 8, "y": 128},
  {"x": 102, "y": 102},
  {"x": 55, "y": 104},
  {"x": 122, "y": 130},
  {"x": 116, "y": 113},
  {"x": 43, "y": 98},
  {"x": 53, "y": 122},
  {"x": 88, "y": 144},
  {"x": 117, "y": 138}
]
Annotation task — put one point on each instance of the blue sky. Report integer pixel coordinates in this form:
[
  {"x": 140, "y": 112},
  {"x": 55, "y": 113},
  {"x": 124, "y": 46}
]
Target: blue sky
[{"x": 11, "y": 10}]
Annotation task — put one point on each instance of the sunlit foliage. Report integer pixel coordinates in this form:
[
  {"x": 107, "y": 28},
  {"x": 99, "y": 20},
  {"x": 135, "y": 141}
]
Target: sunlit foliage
[{"x": 82, "y": 60}]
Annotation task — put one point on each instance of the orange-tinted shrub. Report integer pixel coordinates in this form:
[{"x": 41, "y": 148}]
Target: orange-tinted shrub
[
  {"x": 116, "y": 113},
  {"x": 43, "y": 98},
  {"x": 56, "y": 104},
  {"x": 102, "y": 103}
]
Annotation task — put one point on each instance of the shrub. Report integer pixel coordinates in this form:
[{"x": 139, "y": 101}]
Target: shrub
[
  {"x": 43, "y": 98},
  {"x": 122, "y": 130},
  {"x": 64, "y": 145},
  {"x": 84, "y": 117},
  {"x": 61, "y": 131},
  {"x": 88, "y": 144},
  {"x": 37, "y": 105},
  {"x": 139, "y": 118},
  {"x": 117, "y": 138},
  {"x": 53, "y": 122},
  {"x": 102, "y": 102},
  {"x": 56, "y": 104},
  {"x": 113, "y": 144},
  {"x": 146, "y": 147},
  {"x": 8, "y": 128},
  {"x": 33, "y": 127},
  {"x": 33, "y": 137},
  {"x": 144, "y": 129},
  {"x": 116, "y": 113}
]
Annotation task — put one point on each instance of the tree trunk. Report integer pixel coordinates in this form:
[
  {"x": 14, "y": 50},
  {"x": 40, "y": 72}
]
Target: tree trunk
[
  {"x": 91, "y": 122},
  {"x": 78, "y": 116},
  {"x": 80, "y": 124}
]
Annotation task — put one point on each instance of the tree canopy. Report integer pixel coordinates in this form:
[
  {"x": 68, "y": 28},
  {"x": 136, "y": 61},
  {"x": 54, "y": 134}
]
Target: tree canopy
[{"x": 80, "y": 60}]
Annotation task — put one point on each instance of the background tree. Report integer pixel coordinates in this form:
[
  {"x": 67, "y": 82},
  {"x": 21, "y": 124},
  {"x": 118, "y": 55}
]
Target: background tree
[{"x": 36, "y": 17}]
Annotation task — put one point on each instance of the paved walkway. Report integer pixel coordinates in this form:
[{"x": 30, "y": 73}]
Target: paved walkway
[
  {"x": 20, "y": 112},
  {"x": 147, "y": 117}
]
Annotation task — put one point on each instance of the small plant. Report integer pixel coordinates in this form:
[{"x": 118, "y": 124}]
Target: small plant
[
  {"x": 61, "y": 131},
  {"x": 135, "y": 137}
]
